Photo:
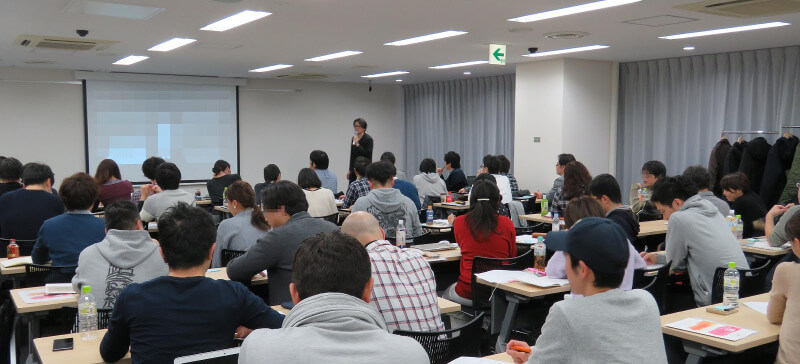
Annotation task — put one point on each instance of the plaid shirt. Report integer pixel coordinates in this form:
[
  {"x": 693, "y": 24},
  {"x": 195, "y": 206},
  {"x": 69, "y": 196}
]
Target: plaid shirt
[
  {"x": 512, "y": 181},
  {"x": 559, "y": 204},
  {"x": 358, "y": 188},
  {"x": 404, "y": 289}
]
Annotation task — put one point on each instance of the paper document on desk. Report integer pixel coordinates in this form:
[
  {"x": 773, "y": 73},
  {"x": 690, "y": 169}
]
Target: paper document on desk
[
  {"x": 58, "y": 288},
  {"x": 16, "y": 262},
  {"x": 758, "y": 306},
  {"x": 526, "y": 239},
  {"x": 541, "y": 281},
  {"x": 39, "y": 295},
  {"x": 764, "y": 244},
  {"x": 472, "y": 360},
  {"x": 506, "y": 276},
  {"x": 711, "y": 328}
]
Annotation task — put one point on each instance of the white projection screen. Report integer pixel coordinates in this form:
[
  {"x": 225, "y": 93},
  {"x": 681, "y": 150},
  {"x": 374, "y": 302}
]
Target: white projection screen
[{"x": 186, "y": 124}]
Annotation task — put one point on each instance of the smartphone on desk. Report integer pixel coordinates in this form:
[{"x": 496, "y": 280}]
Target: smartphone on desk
[
  {"x": 288, "y": 305},
  {"x": 62, "y": 344}
]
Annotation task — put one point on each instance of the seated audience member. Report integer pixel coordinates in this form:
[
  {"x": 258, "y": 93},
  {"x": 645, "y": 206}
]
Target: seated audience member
[
  {"x": 62, "y": 238},
  {"x": 222, "y": 179},
  {"x": 404, "y": 289},
  {"x": 576, "y": 184},
  {"x": 736, "y": 188},
  {"x": 387, "y": 204},
  {"x": 247, "y": 225},
  {"x": 502, "y": 210},
  {"x": 698, "y": 237},
  {"x": 359, "y": 187},
  {"x": 126, "y": 255},
  {"x": 783, "y": 306},
  {"x": 579, "y": 208},
  {"x": 505, "y": 170},
  {"x": 149, "y": 167},
  {"x": 702, "y": 179},
  {"x": 652, "y": 171},
  {"x": 428, "y": 182},
  {"x": 285, "y": 208},
  {"x": 10, "y": 175},
  {"x": 320, "y": 200},
  {"x": 776, "y": 233},
  {"x": 491, "y": 165},
  {"x": 607, "y": 324},
  {"x": 481, "y": 232},
  {"x": 112, "y": 186},
  {"x": 185, "y": 312},
  {"x": 389, "y": 157},
  {"x": 332, "y": 321},
  {"x": 168, "y": 177},
  {"x": 456, "y": 179},
  {"x": 319, "y": 163},
  {"x": 23, "y": 211},
  {"x": 561, "y": 163},
  {"x": 407, "y": 189},
  {"x": 605, "y": 189},
  {"x": 272, "y": 174}
]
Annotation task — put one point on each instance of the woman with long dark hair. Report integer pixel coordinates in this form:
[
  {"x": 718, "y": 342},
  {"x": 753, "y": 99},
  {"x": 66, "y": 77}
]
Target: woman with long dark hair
[
  {"x": 483, "y": 233},
  {"x": 576, "y": 184},
  {"x": 112, "y": 186},
  {"x": 245, "y": 227}
]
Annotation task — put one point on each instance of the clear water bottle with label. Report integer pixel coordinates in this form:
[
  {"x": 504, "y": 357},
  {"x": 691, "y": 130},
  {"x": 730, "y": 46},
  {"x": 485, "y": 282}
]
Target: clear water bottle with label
[
  {"x": 87, "y": 314},
  {"x": 429, "y": 215},
  {"x": 730, "y": 296},
  {"x": 540, "y": 254},
  {"x": 556, "y": 222},
  {"x": 400, "y": 234},
  {"x": 225, "y": 198},
  {"x": 731, "y": 220},
  {"x": 738, "y": 230}
]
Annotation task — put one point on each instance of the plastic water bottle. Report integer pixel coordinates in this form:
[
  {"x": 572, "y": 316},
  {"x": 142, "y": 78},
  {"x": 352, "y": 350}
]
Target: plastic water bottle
[
  {"x": 429, "y": 215},
  {"x": 556, "y": 222},
  {"x": 400, "y": 234},
  {"x": 225, "y": 198},
  {"x": 739, "y": 228},
  {"x": 642, "y": 192},
  {"x": 731, "y": 286},
  {"x": 731, "y": 219},
  {"x": 545, "y": 205},
  {"x": 539, "y": 253},
  {"x": 87, "y": 314}
]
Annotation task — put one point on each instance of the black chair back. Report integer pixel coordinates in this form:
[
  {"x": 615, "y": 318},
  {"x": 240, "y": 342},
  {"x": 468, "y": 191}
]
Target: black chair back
[
  {"x": 334, "y": 218},
  {"x": 471, "y": 180},
  {"x": 482, "y": 292},
  {"x": 751, "y": 282},
  {"x": 427, "y": 238},
  {"x": 445, "y": 346},
  {"x": 228, "y": 255},
  {"x": 103, "y": 314},
  {"x": 38, "y": 275},
  {"x": 653, "y": 281}
]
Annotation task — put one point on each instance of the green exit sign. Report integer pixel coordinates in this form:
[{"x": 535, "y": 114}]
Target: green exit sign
[{"x": 497, "y": 54}]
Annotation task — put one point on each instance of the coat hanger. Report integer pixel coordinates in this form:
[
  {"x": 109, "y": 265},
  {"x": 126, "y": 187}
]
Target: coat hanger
[
  {"x": 787, "y": 135},
  {"x": 740, "y": 140},
  {"x": 723, "y": 138}
]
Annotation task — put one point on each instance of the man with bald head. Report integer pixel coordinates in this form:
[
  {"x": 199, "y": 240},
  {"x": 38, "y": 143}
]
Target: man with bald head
[{"x": 404, "y": 289}]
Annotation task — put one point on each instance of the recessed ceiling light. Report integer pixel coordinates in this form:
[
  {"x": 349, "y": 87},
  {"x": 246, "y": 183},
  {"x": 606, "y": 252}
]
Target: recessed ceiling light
[
  {"x": 129, "y": 60},
  {"x": 454, "y": 65},
  {"x": 426, "y": 38},
  {"x": 597, "y": 5},
  {"x": 172, "y": 44},
  {"x": 688, "y": 48},
  {"x": 393, "y": 73},
  {"x": 334, "y": 56},
  {"x": 398, "y": 80},
  {"x": 568, "y": 50},
  {"x": 727, "y": 30},
  {"x": 235, "y": 20},
  {"x": 467, "y": 72},
  {"x": 271, "y": 68}
]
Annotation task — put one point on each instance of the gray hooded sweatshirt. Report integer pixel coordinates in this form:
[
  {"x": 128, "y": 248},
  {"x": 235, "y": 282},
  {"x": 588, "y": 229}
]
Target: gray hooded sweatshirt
[
  {"x": 331, "y": 328},
  {"x": 122, "y": 258},
  {"x": 429, "y": 184},
  {"x": 388, "y": 205},
  {"x": 699, "y": 240}
]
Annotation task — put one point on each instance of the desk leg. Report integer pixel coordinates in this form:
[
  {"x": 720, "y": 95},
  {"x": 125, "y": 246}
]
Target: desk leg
[
  {"x": 508, "y": 321},
  {"x": 33, "y": 332},
  {"x": 699, "y": 351}
]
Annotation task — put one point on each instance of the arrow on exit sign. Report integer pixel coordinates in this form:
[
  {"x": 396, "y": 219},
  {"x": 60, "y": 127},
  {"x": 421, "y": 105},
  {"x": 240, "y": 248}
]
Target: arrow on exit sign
[{"x": 497, "y": 54}]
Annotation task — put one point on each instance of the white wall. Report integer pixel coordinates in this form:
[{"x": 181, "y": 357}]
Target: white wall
[{"x": 42, "y": 120}]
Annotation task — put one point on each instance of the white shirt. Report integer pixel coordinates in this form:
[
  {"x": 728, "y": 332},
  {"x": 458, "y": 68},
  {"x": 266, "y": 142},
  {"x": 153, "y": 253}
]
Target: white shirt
[
  {"x": 320, "y": 202},
  {"x": 505, "y": 187}
]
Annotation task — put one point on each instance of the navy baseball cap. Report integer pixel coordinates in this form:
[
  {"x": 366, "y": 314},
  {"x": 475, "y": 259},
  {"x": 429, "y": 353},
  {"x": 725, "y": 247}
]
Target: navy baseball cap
[{"x": 597, "y": 241}]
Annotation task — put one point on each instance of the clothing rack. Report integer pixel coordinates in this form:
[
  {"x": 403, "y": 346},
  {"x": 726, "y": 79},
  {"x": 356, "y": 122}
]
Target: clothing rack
[
  {"x": 750, "y": 132},
  {"x": 790, "y": 127}
]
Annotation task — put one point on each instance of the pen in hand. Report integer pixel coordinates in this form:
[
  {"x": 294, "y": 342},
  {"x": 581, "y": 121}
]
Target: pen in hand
[{"x": 520, "y": 348}]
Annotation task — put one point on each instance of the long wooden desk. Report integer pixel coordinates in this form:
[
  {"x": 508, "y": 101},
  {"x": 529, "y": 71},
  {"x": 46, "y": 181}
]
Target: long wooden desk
[
  {"x": 83, "y": 352},
  {"x": 762, "y": 251},
  {"x": 500, "y": 357},
  {"x": 20, "y": 269},
  {"x": 443, "y": 255},
  {"x": 452, "y": 206},
  {"x": 445, "y": 306},
  {"x": 646, "y": 228},
  {"x": 697, "y": 345}
]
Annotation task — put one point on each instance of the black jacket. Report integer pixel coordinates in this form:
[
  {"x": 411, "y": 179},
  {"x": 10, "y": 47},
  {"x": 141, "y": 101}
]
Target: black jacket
[
  {"x": 779, "y": 159},
  {"x": 716, "y": 164},
  {"x": 753, "y": 160},
  {"x": 734, "y": 157}
]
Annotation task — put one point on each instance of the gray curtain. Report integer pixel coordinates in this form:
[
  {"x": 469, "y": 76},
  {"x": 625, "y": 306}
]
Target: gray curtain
[
  {"x": 473, "y": 117},
  {"x": 674, "y": 110}
]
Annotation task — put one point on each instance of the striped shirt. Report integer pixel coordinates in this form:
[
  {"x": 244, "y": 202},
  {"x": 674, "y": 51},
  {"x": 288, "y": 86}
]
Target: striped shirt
[{"x": 404, "y": 289}]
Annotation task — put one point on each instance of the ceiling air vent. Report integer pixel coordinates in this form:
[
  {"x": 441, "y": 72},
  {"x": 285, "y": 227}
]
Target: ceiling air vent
[
  {"x": 61, "y": 43},
  {"x": 565, "y": 35},
  {"x": 744, "y": 8},
  {"x": 304, "y": 76}
]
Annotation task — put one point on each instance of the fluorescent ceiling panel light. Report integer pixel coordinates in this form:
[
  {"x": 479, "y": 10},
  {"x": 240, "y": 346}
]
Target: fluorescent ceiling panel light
[
  {"x": 125, "y": 11},
  {"x": 454, "y": 65},
  {"x": 689, "y": 48},
  {"x": 172, "y": 44},
  {"x": 235, "y": 20},
  {"x": 398, "y": 80},
  {"x": 727, "y": 30},
  {"x": 393, "y": 73},
  {"x": 568, "y": 50},
  {"x": 334, "y": 56},
  {"x": 129, "y": 60},
  {"x": 597, "y": 5},
  {"x": 271, "y": 68},
  {"x": 467, "y": 72},
  {"x": 426, "y": 38}
]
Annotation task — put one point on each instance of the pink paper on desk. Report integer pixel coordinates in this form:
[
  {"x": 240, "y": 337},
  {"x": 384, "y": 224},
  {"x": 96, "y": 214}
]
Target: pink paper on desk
[
  {"x": 710, "y": 328},
  {"x": 38, "y": 295}
]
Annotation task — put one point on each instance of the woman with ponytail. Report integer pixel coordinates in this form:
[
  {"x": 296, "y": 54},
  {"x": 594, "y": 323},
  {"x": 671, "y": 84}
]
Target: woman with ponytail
[
  {"x": 482, "y": 233},
  {"x": 245, "y": 227}
]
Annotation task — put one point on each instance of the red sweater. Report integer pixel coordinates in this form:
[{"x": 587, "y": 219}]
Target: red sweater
[
  {"x": 501, "y": 244},
  {"x": 110, "y": 192}
]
